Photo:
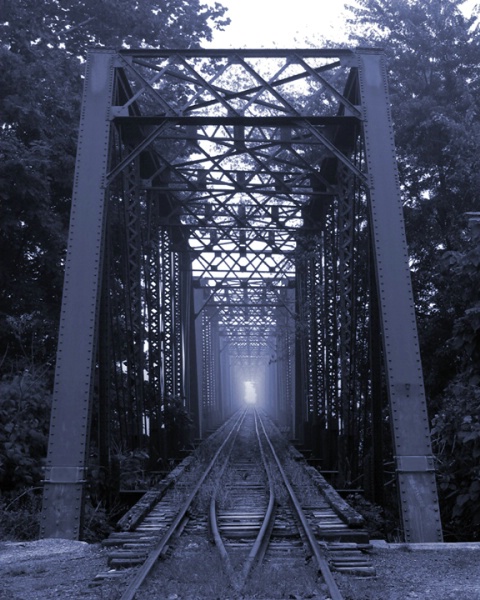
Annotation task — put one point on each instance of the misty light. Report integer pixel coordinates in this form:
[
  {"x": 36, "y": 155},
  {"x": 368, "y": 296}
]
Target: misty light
[{"x": 250, "y": 395}]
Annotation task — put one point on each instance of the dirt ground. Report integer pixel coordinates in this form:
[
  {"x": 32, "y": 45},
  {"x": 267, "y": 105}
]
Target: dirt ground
[
  {"x": 448, "y": 574},
  {"x": 61, "y": 569}
]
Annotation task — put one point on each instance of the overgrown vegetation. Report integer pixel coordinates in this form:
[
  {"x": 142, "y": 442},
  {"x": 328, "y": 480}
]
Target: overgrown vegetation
[
  {"x": 432, "y": 51},
  {"x": 24, "y": 413},
  {"x": 42, "y": 57},
  {"x": 24, "y": 420}
]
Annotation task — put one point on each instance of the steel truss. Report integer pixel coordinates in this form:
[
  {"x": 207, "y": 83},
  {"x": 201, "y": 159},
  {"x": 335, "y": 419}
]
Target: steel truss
[{"x": 232, "y": 201}]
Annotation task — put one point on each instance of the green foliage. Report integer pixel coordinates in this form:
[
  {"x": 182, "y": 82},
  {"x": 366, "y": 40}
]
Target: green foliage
[
  {"x": 19, "y": 516},
  {"x": 76, "y": 25},
  {"x": 178, "y": 424},
  {"x": 24, "y": 421},
  {"x": 456, "y": 436},
  {"x": 379, "y": 522},
  {"x": 133, "y": 469},
  {"x": 432, "y": 52},
  {"x": 456, "y": 426},
  {"x": 42, "y": 51},
  {"x": 43, "y": 45},
  {"x": 96, "y": 523}
]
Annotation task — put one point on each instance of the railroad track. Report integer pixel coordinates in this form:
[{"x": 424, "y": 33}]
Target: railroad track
[
  {"x": 247, "y": 500},
  {"x": 242, "y": 527}
]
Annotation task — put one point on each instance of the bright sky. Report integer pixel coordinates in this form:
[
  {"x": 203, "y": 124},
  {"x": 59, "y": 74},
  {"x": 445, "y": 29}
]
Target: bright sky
[
  {"x": 286, "y": 23},
  {"x": 281, "y": 24}
]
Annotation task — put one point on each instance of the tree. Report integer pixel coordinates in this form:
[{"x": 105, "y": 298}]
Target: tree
[
  {"x": 33, "y": 28},
  {"x": 432, "y": 52},
  {"x": 42, "y": 54},
  {"x": 43, "y": 46},
  {"x": 456, "y": 426}
]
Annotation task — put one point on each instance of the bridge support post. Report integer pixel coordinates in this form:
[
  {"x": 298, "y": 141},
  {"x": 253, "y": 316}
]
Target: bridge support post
[
  {"x": 411, "y": 434},
  {"x": 72, "y": 396},
  {"x": 198, "y": 303}
]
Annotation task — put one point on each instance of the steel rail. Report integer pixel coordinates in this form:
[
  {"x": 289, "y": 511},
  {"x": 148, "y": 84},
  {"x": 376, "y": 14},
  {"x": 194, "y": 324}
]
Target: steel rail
[
  {"x": 261, "y": 540},
  {"x": 156, "y": 552},
  {"x": 217, "y": 538},
  {"x": 330, "y": 582}
]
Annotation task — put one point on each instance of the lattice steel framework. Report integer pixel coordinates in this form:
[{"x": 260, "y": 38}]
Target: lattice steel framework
[{"x": 248, "y": 199}]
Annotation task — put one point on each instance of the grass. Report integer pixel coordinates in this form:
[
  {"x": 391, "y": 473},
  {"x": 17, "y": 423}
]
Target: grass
[
  {"x": 22, "y": 570},
  {"x": 195, "y": 571},
  {"x": 281, "y": 580},
  {"x": 20, "y": 517}
]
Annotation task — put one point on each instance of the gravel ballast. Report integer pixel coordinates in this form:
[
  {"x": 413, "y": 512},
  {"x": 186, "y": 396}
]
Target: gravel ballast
[{"x": 64, "y": 569}]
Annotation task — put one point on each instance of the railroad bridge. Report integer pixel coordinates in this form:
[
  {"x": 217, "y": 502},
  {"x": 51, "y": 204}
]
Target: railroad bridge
[{"x": 237, "y": 235}]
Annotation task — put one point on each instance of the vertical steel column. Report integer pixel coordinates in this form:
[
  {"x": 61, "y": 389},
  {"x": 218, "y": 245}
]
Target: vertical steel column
[
  {"x": 330, "y": 331},
  {"x": 301, "y": 357},
  {"x": 105, "y": 353},
  {"x": 217, "y": 400},
  {"x": 275, "y": 387},
  {"x": 312, "y": 338},
  {"x": 198, "y": 316},
  {"x": 189, "y": 360},
  {"x": 279, "y": 400},
  {"x": 345, "y": 273},
  {"x": 291, "y": 376},
  {"x": 207, "y": 370},
  {"x": 414, "y": 462},
  {"x": 318, "y": 316},
  {"x": 72, "y": 397},
  {"x": 375, "y": 359},
  {"x": 224, "y": 384},
  {"x": 168, "y": 284},
  {"x": 290, "y": 348},
  {"x": 177, "y": 350},
  {"x": 153, "y": 307},
  {"x": 134, "y": 299}
]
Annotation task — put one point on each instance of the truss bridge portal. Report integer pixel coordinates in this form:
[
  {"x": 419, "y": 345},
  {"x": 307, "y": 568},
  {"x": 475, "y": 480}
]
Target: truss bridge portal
[{"x": 237, "y": 236}]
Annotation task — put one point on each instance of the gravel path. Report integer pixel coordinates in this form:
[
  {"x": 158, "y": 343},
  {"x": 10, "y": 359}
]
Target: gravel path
[
  {"x": 62, "y": 569},
  {"x": 451, "y": 573}
]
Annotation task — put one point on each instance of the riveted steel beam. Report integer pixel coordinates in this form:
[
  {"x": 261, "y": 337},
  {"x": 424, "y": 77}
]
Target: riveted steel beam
[
  {"x": 72, "y": 397},
  {"x": 247, "y": 52},
  {"x": 416, "y": 479},
  {"x": 245, "y": 244}
]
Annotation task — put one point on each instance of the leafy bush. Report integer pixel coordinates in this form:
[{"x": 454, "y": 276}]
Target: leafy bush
[
  {"x": 20, "y": 517},
  {"x": 380, "y": 522},
  {"x": 133, "y": 469},
  {"x": 456, "y": 425},
  {"x": 24, "y": 422},
  {"x": 96, "y": 523},
  {"x": 456, "y": 437}
]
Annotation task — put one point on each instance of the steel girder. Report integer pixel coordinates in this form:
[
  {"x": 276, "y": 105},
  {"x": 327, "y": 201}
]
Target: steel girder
[
  {"x": 247, "y": 174},
  {"x": 414, "y": 461},
  {"x": 71, "y": 406}
]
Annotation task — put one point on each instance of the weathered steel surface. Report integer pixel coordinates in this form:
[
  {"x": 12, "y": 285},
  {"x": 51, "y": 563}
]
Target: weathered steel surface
[
  {"x": 70, "y": 421},
  {"x": 241, "y": 218},
  {"x": 415, "y": 473}
]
